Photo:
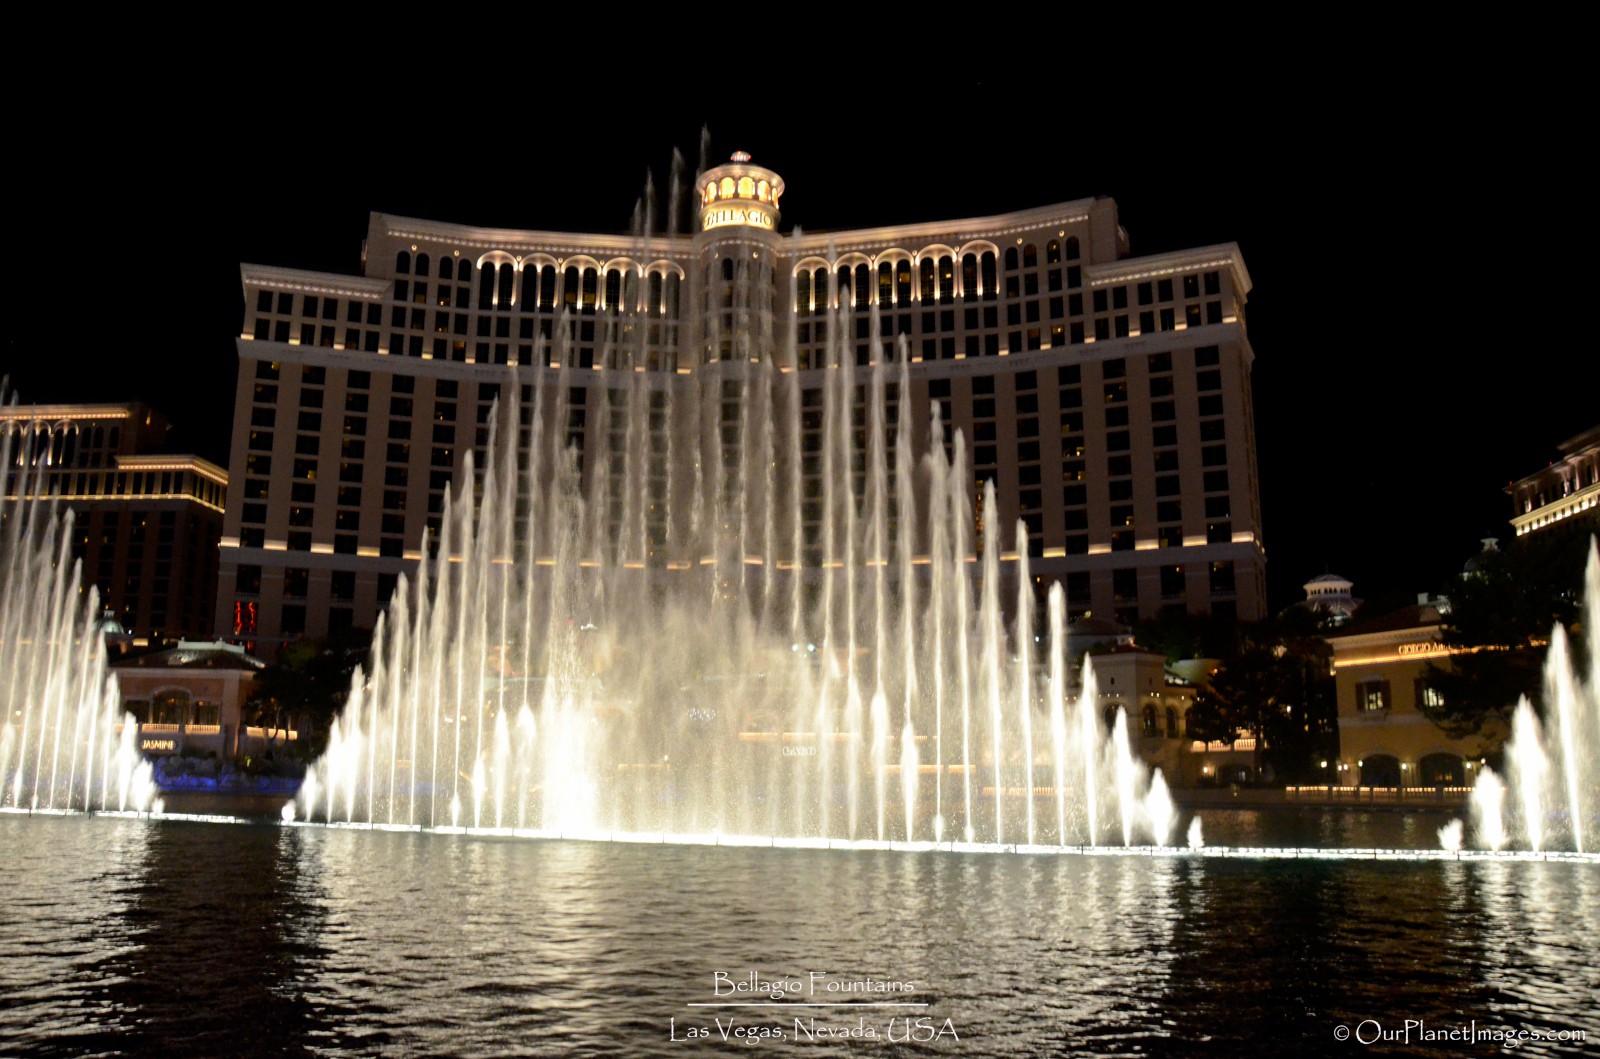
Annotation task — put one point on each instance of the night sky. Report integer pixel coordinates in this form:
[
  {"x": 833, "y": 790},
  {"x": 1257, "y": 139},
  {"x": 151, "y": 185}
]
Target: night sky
[{"x": 1415, "y": 342}]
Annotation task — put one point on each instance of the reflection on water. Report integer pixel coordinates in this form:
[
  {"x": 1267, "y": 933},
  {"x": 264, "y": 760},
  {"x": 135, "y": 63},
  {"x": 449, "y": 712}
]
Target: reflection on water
[{"x": 156, "y": 939}]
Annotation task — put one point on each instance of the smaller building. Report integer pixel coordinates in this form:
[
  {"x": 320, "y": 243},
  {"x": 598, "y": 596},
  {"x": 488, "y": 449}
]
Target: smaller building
[
  {"x": 1380, "y": 676},
  {"x": 1157, "y": 696},
  {"x": 189, "y": 699},
  {"x": 1567, "y": 487}
]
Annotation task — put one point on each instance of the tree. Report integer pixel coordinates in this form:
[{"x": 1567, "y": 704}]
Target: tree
[
  {"x": 1499, "y": 622},
  {"x": 1277, "y": 688},
  {"x": 308, "y": 685}
]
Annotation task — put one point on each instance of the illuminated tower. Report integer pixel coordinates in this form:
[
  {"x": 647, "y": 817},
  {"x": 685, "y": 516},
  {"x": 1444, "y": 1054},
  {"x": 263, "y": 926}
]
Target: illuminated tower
[{"x": 736, "y": 249}]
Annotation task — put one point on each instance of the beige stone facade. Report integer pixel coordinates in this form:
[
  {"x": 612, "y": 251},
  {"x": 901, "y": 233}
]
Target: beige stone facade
[
  {"x": 189, "y": 699},
  {"x": 1107, "y": 396},
  {"x": 1385, "y": 740}
]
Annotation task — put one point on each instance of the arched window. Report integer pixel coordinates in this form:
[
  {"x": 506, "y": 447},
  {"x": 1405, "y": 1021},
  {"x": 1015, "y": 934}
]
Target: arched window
[
  {"x": 402, "y": 262},
  {"x": 547, "y": 287},
  {"x": 802, "y": 293},
  {"x": 486, "y": 286},
  {"x": 885, "y": 284},
  {"x": 422, "y": 264},
  {"x": 1052, "y": 252},
  {"x": 969, "y": 277},
  {"x": 1072, "y": 248},
  {"x": 1030, "y": 256},
  {"x": 614, "y": 300},
  {"x": 928, "y": 280},
  {"x": 902, "y": 283},
  {"x": 1441, "y": 769},
  {"x": 591, "y": 290},
  {"x": 863, "y": 286},
  {"x": 1150, "y": 729},
  {"x": 569, "y": 288},
  {"x": 671, "y": 308},
  {"x": 446, "y": 270},
  {"x": 170, "y": 707},
  {"x": 1172, "y": 724},
  {"x": 1011, "y": 259},
  {"x": 990, "y": 287},
  {"x": 656, "y": 284},
  {"x": 508, "y": 286},
  {"x": 727, "y": 187}
]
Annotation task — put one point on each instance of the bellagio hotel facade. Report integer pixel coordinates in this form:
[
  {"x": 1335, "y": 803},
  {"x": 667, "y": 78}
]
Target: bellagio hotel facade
[{"x": 1107, "y": 396}]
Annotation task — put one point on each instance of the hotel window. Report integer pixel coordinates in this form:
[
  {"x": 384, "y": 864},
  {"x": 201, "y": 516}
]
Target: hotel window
[
  {"x": 1427, "y": 696},
  {"x": 1222, "y": 577},
  {"x": 1372, "y": 696}
]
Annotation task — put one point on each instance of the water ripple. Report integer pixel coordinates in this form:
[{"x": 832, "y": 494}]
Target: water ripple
[{"x": 133, "y": 938}]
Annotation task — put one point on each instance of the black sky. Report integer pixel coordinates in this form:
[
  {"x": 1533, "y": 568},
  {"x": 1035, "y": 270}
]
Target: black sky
[{"x": 1416, "y": 331}]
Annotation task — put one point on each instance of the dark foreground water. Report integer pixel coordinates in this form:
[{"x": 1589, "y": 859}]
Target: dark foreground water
[{"x": 170, "y": 938}]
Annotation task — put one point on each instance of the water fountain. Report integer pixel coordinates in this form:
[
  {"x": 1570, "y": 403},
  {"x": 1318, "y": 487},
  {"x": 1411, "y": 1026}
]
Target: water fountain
[
  {"x": 548, "y": 675},
  {"x": 750, "y": 665},
  {"x": 559, "y": 672},
  {"x": 1552, "y": 773},
  {"x": 64, "y": 745}
]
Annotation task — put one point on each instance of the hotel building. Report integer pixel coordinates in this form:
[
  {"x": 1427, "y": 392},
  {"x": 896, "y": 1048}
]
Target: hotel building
[
  {"x": 1107, "y": 396},
  {"x": 146, "y": 523},
  {"x": 1569, "y": 486}
]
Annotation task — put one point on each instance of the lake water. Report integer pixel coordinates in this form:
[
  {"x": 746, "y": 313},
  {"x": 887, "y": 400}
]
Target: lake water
[{"x": 135, "y": 937}]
